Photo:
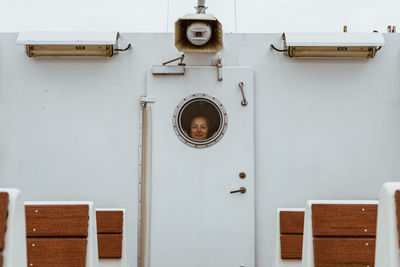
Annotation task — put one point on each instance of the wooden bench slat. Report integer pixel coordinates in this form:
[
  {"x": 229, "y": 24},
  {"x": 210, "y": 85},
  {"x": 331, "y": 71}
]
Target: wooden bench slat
[
  {"x": 56, "y": 252},
  {"x": 291, "y": 246},
  {"x": 291, "y": 222},
  {"x": 109, "y": 222},
  {"x": 57, "y": 220},
  {"x": 109, "y": 245},
  {"x": 397, "y": 199},
  {"x": 1, "y": 259},
  {"x": 349, "y": 252},
  {"x": 344, "y": 219},
  {"x": 4, "y": 200}
]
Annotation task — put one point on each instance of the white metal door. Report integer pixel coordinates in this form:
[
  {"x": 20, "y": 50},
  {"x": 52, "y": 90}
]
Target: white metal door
[{"x": 195, "y": 220}]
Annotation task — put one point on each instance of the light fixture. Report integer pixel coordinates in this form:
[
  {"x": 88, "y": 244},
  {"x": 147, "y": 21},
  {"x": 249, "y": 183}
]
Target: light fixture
[
  {"x": 198, "y": 32},
  {"x": 351, "y": 45},
  {"x": 65, "y": 44}
]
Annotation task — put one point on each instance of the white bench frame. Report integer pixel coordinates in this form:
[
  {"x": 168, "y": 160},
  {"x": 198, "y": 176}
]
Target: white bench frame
[
  {"x": 14, "y": 253},
  {"x": 387, "y": 251}
]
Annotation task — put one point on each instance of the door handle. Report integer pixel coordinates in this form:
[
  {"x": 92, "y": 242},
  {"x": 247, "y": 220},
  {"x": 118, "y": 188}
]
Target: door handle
[
  {"x": 244, "y": 101},
  {"x": 242, "y": 190}
]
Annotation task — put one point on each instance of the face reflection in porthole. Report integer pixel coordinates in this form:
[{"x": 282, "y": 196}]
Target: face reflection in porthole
[{"x": 200, "y": 120}]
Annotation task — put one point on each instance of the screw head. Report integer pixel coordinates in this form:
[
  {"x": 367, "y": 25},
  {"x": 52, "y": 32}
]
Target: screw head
[{"x": 242, "y": 175}]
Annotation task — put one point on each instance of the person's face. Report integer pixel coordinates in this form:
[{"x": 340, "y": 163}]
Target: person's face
[{"x": 199, "y": 129}]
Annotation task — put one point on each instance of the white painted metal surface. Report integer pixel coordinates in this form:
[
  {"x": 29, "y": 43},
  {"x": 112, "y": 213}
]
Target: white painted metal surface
[
  {"x": 122, "y": 262},
  {"x": 334, "y": 39},
  {"x": 14, "y": 253},
  {"x": 323, "y": 129},
  {"x": 92, "y": 257},
  {"x": 387, "y": 252},
  {"x": 195, "y": 220},
  {"x": 308, "y": 247},
  {"x": 278, "y": 261},
  {"x": 68, "y": 38}
]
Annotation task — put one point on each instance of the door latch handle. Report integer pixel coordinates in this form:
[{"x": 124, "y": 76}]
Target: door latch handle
[{"x": 242, "y": 190}]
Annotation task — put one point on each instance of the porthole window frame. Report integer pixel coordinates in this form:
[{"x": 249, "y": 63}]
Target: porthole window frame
[{"x": 221, "y": 129}]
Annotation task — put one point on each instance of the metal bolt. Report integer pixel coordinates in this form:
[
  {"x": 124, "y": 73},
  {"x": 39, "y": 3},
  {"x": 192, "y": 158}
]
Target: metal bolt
[
  {"x": 366, "y": 244},
  {"x": 363, "y": 209},
  {"x": 31, "y": 264},
  {"x": 365, "y": 230},
  {"x": 242, "y": 175},
  {"x": 33, "y": 245},
  {"x": 34, "y": 229},
  {"x": 36, "y": 211}
]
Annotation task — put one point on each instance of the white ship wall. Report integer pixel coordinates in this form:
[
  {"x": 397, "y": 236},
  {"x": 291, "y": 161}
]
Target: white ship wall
[
  {"x": 325, "y": 129},
  {"x": 237, "y": 16}
]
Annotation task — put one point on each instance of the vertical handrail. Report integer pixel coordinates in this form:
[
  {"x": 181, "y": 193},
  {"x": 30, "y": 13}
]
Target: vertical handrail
[{"x": 145, "y": 188}]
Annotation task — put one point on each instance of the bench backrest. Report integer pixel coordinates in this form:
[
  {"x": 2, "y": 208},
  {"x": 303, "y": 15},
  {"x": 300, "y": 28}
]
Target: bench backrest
[
  {"x": 110, "y": 237},
  {"x": 61, "y": 234},
  {"x": 4, "y": 200},
  {"x": 289, "y": 240},
  {"x": 340, "y": 233},
  {"x": 12, "y": 228},
  {"x": 388, "y": 238}
]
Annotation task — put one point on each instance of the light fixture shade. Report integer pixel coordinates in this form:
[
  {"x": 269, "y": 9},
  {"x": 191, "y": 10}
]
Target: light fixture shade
[
  {"x": 183, "y": 44},
  {"x": 353, "y": 45},
  {"x": 65, "y": 44}
]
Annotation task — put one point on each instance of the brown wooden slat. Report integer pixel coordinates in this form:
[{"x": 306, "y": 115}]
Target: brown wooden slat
[
  {"x": 291, "y": 246},
  {"x": 4, "y": 199},
  {"x": 109, "y": 245},
  {"x": 57, "y": 220},
  {"x": 291, "y": 222},
  {"x": 346, "y": 252},
  {"x": 397, "y": 199},
  {"x": 56, "y": 252},
  {"x": 1, "y": 259},
  {"x": 344, "y": 219},
  {"x": 109, "y": 222}
]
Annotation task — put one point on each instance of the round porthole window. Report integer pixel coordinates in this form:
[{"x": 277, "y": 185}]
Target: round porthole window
[{"x": 200, "y": 120}]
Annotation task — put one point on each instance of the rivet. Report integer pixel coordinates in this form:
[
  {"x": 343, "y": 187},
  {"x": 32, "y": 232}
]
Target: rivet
[
  {"x": 34, "y": 229},
  {"x": 365, "y": 230},
  {"x": 242, "y": 175},
  {"x": 31, "y": 264},
  {"x": 366, "y": 244},
  {"x": 362, "y": 209},
  {"x": 33, "y": 245},
  {"x": 36, "y": 211}
]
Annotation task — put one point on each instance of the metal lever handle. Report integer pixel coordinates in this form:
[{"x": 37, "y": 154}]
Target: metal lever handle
[
  {"x": 244, "y": 101},
  {"x": 242, "y": 190}
]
